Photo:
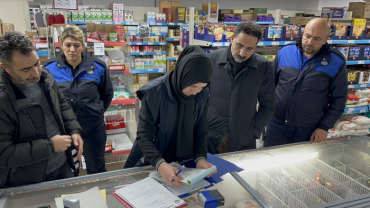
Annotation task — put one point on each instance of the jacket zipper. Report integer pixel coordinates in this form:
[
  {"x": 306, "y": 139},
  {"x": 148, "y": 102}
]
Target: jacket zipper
[{"x": 69, "y": 153}]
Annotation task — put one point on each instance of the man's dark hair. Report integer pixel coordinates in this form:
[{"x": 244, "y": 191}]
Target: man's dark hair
[
  {"x": 11, "y": 42},
  {"x": 249, "y": 28}
]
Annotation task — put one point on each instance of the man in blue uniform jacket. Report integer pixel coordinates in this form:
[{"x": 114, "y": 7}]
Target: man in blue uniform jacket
[{"x": 311, "y": 88}]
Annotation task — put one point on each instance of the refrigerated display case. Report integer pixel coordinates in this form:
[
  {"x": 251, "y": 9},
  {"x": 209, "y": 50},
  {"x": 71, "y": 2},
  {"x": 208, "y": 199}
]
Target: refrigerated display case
[{"x": 334, "y": 173}]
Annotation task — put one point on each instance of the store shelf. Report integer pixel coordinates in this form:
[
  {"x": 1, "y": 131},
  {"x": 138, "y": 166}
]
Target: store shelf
[
  {"x": 175, "y": 23},
  {"x": 172, "y": 58},
  {"x": 358, "y": 86},
  {"x": 173, "y": 39},
  {"x": 151, "y": 34},
  {"x": 42, "y": 53},
  {"x": 147, "y": 53},
  {"x": 272, "y": 43},
  {"x": 144, "y": 71},
  {"x": 358, "y": 62},
  {"x": 260, "y": 23},
  {"x": 123, "y": 102},
  {"x": 348, "y": 41},
  {"x": 106, "y": 44},
  {"x": 146, "y": 43},
  {"x": 83, "y": 22},
  {"x": 362, "y": 109}
]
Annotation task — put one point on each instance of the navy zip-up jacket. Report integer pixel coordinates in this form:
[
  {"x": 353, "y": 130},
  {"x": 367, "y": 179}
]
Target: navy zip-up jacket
[
  {"x": 89, "y": 92},
  {"x": 310, "y": 92}
]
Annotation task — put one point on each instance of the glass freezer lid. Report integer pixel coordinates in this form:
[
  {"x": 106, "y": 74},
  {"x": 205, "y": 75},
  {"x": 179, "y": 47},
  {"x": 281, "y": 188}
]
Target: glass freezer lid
[{"x": 308, "y": 174}]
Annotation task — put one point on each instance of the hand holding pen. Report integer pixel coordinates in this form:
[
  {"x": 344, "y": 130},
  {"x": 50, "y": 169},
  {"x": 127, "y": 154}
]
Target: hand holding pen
[
  {"x": 182, "y": 168},
  {"x": 171, "y": 175}
]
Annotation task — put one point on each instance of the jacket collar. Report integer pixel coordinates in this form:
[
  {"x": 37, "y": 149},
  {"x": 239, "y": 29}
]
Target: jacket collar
[
  {"x": 16, "y": 96},
  {"x": 252, "y": 63},
  {"x": 323, "y": 55},
  {"x": 87, "y": 60}
]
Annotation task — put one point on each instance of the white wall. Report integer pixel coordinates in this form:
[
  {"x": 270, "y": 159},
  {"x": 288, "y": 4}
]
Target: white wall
[
  {"x": 335, "y": 3},
  {"x": 16, "y": 12}
]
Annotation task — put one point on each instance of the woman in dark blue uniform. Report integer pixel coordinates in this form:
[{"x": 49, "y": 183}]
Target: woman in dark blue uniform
[
  {"x": 86, "y": 84},
  {"x": 173, "y": 117}
]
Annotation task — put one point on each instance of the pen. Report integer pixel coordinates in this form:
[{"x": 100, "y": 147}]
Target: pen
[{"x": 182, "y": 167}]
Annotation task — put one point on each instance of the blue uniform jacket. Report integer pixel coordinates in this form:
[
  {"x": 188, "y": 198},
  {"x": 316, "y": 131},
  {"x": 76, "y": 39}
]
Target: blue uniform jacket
[
  {"x": 310, "y": 92},
  {"x": 89, "y": 92}
]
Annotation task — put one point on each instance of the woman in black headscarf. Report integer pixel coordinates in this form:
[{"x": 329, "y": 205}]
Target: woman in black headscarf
[{"x": 173, "y": 117}]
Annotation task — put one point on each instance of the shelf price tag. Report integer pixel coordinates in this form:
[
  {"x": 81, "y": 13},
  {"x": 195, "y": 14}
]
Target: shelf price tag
[
  {"x": 330, "y": 42},
  {"x": 363, "y": 111},
  {"x": 108, "y": 23},
  {"x": 361, "y": 62},
  {"x": 41, "y": 45},
  {"x": 260, "y": 44},
  {"x": 139, "y": 44},
  {"x": 161, "y": 70},
  {"x": 351, "y": 41},
  {"x": 217, "y": 44},
  {"x": 99, "y": 49},
  {"x": 275, "y": 43},
  {"x": 351, "y": 86},
  {"x": 117, "y": 23},
  {"x": 364, "y": 85},
  {"x": 142, "y": 53},
  {"x": 150, "y": 43}
]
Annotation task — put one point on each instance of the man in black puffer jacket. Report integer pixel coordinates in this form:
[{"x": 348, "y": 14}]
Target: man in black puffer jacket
[{"x": 38, "y": 128}]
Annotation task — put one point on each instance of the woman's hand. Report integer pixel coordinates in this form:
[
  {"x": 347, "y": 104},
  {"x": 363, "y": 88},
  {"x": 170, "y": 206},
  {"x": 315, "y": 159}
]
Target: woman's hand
[
  {"x": 203, "y": 164},
  {"x": 168, "y": 174}
]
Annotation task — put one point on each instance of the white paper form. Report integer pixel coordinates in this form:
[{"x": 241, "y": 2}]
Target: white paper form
[{"x": 148, "y": 193}]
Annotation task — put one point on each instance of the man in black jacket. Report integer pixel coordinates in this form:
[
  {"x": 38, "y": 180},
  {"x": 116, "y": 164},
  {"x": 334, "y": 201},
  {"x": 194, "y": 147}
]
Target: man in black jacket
[
  {"x": 241, "y": 79},
  {"x": 37, "y": 125}
]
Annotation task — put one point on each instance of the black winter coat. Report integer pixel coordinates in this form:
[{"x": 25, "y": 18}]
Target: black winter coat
[{"x": 24, "y": 146}]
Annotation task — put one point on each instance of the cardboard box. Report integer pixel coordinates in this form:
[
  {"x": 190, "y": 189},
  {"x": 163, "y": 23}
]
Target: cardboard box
[
  {"x": 359, "y": 9},
  {"x": 7, "y": 27},
  {"x": 135, "y": 87},
  {"x": 237, "y": 11},
  {"x": 174, "y": 5},
  {"x": 31, "y": 34},
  {"x": 259, "y": 10},
  {"x": 248, "y": 11},
  {"x": 143, "y": 78},
  {"x": 164, "y": 4},
  {"x": 300, "y": 20},
  {"x": 135, "y": 78},
  {"x": 359, "y": 22}
]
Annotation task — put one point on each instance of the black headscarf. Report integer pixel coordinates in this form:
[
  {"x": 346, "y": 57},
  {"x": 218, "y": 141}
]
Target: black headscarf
[{"x": 193, "y": 66}]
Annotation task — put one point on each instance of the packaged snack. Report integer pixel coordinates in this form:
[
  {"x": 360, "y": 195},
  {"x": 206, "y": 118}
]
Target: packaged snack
[
  {"x": 270, "y": 32},
  {"x": 103, "y": 36},
  {"x": 367, "y": 52},
  {"x": 354, "y": 52},
  {"x": 113, "y": 37},
  {"x": 277, "y": 32},
  {"x": 121, "y": 37},
  {"x": 121, "y": 95},
  {"x": 95, "y": 35}
]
